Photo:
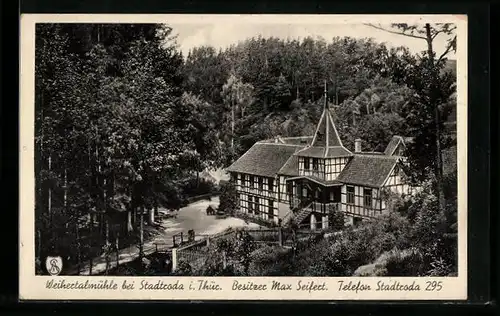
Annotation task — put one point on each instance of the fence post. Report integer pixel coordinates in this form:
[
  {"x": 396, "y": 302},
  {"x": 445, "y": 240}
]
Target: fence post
[
  {"x": 174, "y": 259},
  {"x": 208, "y": 241}
]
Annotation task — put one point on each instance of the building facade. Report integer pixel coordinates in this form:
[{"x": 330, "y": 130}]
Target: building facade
[{"x": 307, "y": 178}]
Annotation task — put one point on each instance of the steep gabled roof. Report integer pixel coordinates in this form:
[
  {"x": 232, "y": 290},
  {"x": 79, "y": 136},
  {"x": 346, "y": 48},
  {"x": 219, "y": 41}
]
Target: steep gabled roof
[
  {"x": 264, "y": 159},
  {"x": 393, "y": 145},
  {"x": 326, "y": 134},
  {"x": 291, "y": 167},
  {"x": 368, "y": 170},
  {"x": 326, "y": 141}
]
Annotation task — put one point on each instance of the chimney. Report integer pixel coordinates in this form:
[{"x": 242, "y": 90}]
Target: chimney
[{"x": 357, "y": 145}]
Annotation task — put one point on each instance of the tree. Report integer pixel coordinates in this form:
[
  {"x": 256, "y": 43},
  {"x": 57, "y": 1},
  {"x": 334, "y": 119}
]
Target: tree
[
  {"x": 111, "y": 133},
  {"x": 228, "y": 200},
  {"x": 336, "y": 219},
  {"x": 433, "y": 89},
  {"x": 236, "y": 94}
]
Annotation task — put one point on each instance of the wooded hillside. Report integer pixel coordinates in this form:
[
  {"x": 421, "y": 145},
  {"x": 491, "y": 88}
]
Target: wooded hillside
[{"x": 124, "y": 121}]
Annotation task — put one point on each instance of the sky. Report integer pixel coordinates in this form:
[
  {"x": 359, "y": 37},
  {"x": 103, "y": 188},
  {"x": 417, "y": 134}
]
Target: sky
[{"x": 223, "y": 34}]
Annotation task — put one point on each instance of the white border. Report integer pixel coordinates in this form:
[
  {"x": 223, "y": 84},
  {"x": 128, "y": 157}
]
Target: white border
[{"x": 33, "y": 287}]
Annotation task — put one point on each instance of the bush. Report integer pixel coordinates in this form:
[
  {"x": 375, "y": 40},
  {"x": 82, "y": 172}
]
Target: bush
[
  {"x": 270, "y": 261},
  {"x": 395, "y": 262},
  {"x": 200, "y": 186},
  {"x": 228, "y": 256},
  {"x": 228, "y": 200},
  {"x": 183, "y": 268},
  {"x": 404, "y": 263}
]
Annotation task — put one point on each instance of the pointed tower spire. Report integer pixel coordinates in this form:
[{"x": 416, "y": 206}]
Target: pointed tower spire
[{"x": 326, "y": 141}]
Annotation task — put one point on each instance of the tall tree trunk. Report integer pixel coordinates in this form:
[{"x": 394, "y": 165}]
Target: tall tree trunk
[
  {"x": 49, "y": 207},
  {"x": 105, "y": 211},
  {"x": 151, "y": 216},
  {"x": 117, "y": 247},
  {"x": 129, "y": 221},
  {"x": 141, "y": 233},
  {"x": 91, "y": 264},
  {"x": 49, "y": 200},
  {"x": 65, "y": 193},
  {"x": 89, "y": 204},
  {"x": 78, "y": 245},
  {"x": 130, "y": 216},
  {"x": 439, "y": 157}
]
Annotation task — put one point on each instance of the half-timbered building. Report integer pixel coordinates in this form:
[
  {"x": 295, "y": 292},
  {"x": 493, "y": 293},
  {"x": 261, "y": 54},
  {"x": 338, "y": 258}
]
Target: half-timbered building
[{"x": 307, "y": 178}]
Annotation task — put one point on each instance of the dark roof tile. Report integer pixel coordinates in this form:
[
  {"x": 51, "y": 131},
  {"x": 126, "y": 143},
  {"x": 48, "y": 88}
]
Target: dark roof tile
[
  {"x": 393, "y": 145},
  {"x": 264, "y": 159},
  {"x": 368, "y": 170},
  {"x": 291, "y": 167}
]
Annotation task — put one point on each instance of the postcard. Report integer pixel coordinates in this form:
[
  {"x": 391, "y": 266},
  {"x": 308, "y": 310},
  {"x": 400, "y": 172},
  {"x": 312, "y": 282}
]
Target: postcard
[{"x": 243, "y": 157}]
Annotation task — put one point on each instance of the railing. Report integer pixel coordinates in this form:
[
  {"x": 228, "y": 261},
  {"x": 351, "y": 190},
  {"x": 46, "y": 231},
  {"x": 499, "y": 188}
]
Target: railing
[
  {"x": 325, "y": 207},
  {"x": 320, "y": 174},
  {"x": 298, "y": 204}
]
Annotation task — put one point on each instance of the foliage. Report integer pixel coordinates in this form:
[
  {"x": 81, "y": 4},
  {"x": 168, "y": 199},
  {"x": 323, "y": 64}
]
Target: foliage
[
  {"x": 184, "y": 268},
  {"x": 229, "y": 256},
  {"x": 113, "y": 132},
  {"x": 336, "y": 220},
  {"x": 229, "y": 198}
]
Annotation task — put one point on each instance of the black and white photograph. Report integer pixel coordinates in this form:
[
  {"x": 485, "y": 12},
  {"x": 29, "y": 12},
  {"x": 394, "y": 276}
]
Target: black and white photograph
[{"x": 221, "y": 148}]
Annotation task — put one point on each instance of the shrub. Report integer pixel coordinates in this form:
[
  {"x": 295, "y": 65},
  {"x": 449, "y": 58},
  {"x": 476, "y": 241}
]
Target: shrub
[
  {"x": 228, "y": 201},
  {"x": 183, "y": 268},
  {"x": 408, "y": 262},
  {"x": 270, "y": 261}
]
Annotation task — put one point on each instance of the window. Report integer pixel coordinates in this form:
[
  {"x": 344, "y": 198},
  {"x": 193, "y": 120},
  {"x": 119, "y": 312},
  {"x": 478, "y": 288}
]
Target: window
[
  {"x": 250, "y": 204},
  {"x": 320, "y": 137},
  {"x": 271, "y": 184},
  {"x": 367, "y": 193},
  {"x": 261, "y": 183},
  {"x": 315, "y": 164},
  {"x": 271, "y": 209},
  {"x": 251, "y": 182},
  {"x": 350, "y": 194},
  {"x": 257, "y": 206},
  {"x": 306, "y": 163}
]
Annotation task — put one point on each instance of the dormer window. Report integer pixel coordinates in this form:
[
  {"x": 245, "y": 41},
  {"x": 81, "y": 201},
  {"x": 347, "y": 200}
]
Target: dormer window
[
  {"x": 315, "y": 164},
  {"x": 320, "y": 136},
  {"x": 306, "y": 163}
]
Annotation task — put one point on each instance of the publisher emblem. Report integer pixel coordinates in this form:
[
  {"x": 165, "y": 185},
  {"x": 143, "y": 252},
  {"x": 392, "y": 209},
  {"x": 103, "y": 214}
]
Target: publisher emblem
[{"x": 54, "y": 265}]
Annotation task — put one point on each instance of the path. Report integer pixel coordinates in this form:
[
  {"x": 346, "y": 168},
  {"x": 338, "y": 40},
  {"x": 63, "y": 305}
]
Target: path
[{"x": 193, "y": 216}]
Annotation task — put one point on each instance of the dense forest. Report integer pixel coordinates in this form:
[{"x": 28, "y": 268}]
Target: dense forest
[{"x": 125, "y": 122}]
